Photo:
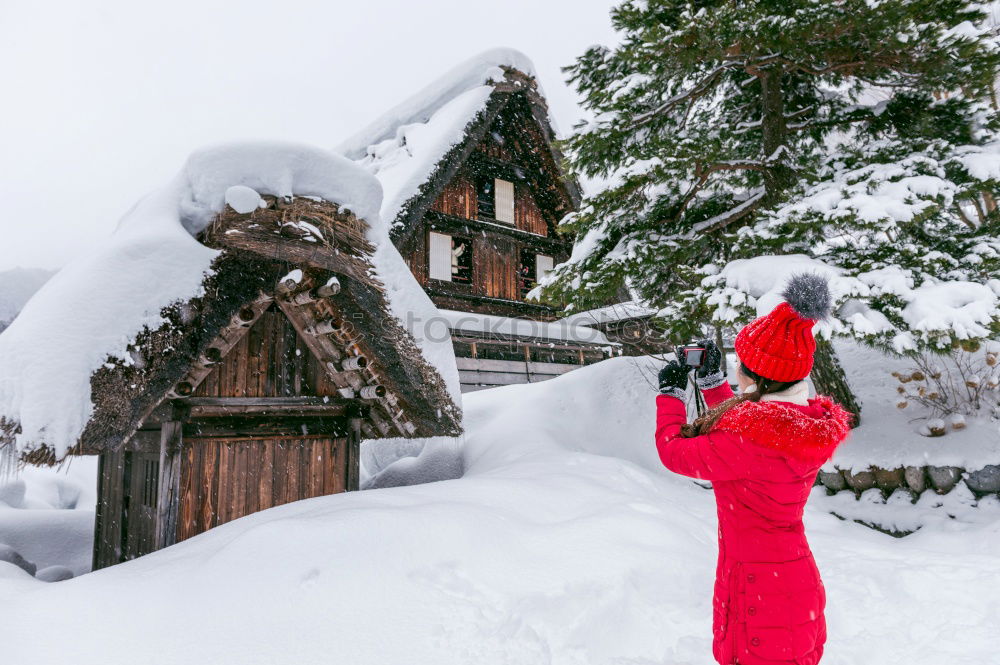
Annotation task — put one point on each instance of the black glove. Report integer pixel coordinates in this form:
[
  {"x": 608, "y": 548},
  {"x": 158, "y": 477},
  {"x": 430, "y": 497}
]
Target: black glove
[
  {"x": 710, "y": 375},
  {"x": 674, "y": 379}
]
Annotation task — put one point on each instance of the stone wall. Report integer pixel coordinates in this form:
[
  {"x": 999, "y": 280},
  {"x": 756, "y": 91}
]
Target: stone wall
[{"x": 916, "y": 479}]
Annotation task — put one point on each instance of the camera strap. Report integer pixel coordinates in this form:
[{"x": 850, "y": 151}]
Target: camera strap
[{"x": 699, "y": 400}]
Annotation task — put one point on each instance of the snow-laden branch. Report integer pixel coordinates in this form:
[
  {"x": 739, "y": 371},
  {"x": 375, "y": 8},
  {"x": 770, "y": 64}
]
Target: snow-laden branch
[
  {"x": 693, "y": 92},
  {"x": 728, "y": 217}
]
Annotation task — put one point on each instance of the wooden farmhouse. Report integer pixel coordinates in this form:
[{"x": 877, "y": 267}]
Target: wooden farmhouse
[
  {"x": 258, "y": 392},
  {"x": 475, "y": 190}
]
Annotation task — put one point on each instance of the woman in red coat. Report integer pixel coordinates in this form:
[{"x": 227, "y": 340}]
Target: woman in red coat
[{"x": 761, "y": 451}]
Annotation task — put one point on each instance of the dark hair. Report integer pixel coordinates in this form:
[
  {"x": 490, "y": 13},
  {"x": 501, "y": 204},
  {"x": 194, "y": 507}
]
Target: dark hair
[{"x": 765, "y": 386}]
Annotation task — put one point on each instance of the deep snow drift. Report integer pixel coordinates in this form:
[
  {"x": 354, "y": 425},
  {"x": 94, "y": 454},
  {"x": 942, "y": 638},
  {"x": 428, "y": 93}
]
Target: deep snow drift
[
  {"x": 564, "y": 543},
  {"x": 47, "y": 516}
]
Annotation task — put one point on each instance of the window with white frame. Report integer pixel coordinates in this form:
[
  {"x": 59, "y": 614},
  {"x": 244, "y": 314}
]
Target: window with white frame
[
  {"x": 440, "y": 256},
  {"x": 495, "y": 199},
  {"x": 505, "y": 201},
  {"x": 532, "y": 269},
  {"x": 543, "y": 264},
  {"x": 449, "y": 258}
]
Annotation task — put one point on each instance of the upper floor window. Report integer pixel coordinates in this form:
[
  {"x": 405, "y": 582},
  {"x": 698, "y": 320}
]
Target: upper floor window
[
  {"x": 533, "y": 267},
  {"x": 450, "y": 258},
  {"x": 486, "y": 197},
  {"x": 495, "y": 199}
]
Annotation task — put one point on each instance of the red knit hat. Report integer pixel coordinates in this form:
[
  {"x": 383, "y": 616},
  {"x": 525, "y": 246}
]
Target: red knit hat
[{"x": 780, "y": 346}]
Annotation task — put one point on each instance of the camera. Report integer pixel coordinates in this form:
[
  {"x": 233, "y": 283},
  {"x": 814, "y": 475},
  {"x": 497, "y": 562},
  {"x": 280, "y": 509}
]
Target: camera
[{"x": 693, "y": 354}]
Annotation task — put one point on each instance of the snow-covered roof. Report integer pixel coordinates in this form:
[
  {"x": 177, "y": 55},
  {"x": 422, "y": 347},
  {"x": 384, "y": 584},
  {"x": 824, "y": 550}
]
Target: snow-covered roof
[
  {"x": 478, "y": 71},
  {"x": 89, "y": 313},
  {"x": 622, "y": 311},
  {"x": 561, "y": 330},
  {"x": 404, "y": 147}
]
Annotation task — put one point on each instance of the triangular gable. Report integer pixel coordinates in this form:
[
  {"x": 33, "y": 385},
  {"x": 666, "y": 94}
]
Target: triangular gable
[
  {"x": 413, "y": 174},
  {"x": 552, "y": 190},
  {"x": 515, "y": 138},
  {"x": 268, "y": 359}
]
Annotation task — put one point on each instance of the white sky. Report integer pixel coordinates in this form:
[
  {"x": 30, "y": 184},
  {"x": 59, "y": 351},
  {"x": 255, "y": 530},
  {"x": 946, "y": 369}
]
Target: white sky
[{"x": 103, "y": 100}]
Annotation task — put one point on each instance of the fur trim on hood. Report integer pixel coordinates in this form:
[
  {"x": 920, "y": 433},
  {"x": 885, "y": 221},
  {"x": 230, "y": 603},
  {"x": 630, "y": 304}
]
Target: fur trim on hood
[{"x": 809, "y": 433}]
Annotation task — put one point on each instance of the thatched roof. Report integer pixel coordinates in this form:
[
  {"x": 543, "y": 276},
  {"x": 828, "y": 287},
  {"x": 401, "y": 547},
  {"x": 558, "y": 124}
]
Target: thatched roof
[
  {"x": 416, "y": 148},
  {"x": 259, "y": 250}
]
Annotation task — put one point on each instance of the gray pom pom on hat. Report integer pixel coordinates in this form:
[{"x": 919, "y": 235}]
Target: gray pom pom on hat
[{"x": 809, "y": 295}]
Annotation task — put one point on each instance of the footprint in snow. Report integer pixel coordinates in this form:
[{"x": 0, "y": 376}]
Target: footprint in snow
[{"x": 309, "y": 579}]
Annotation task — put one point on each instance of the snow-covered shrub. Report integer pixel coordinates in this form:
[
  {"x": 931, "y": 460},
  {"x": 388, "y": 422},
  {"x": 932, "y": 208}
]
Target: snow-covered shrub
[{"x": 951, "y": 386}]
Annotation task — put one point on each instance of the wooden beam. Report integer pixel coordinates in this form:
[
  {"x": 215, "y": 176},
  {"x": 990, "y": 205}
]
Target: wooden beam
[
  {"x": 439, "y": 221},
  {"x": 248, "y": 235},
  {"x": 217, "y": 407},
  {"x": 326, "y": 348},
  {"x": 234, "y": 410},
  {"x": 224, "y": 341},
  {"x": 255, "y": 427},
  {"x": 262, "y": 401},
  {"x": 445, "y": 290},
  {"x": 540, "y": 342}
]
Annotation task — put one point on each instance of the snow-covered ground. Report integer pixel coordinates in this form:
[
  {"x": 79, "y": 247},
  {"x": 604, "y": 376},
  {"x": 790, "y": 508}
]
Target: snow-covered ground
[{"x": 565, "y": 542}]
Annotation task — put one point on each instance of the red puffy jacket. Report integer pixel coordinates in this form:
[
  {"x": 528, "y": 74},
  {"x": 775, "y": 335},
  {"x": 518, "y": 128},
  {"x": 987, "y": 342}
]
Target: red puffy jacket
[{"x": 762, "y": 459}]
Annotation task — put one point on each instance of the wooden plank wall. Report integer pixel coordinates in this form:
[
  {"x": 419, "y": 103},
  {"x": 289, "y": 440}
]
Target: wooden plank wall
[
  {"x": 527, "y": 214},
  {"x": 417, "y": 259},
  {"x": 494, "y": 147},
  {"x": 223, "y": 479},
  {"x": 495, "y": 262},
  {"x": 496, "y": 258},
  {"x": 269, "y": 361},
  {"x": 459, "y": 200}
]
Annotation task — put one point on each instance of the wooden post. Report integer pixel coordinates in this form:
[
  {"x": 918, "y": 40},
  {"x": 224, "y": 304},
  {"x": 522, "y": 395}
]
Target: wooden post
[
  {"x": 354, "y": 455},
  {"x": 168, "y": 495},
  {"x": 100, "y": 514}
]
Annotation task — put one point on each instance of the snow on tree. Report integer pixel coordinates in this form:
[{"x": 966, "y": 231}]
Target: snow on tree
[{"x": 863, "y": 134}]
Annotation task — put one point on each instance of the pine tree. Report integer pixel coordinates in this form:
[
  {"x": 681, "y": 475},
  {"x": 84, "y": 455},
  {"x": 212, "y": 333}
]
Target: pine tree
[{"x": 862, "y": 133}]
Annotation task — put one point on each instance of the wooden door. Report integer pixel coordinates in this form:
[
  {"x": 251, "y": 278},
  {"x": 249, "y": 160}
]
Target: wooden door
[
  {"x": 223, "y": 479},
  {"x": 141, "y": 478},
  {"x": 127, "y": 496}
]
